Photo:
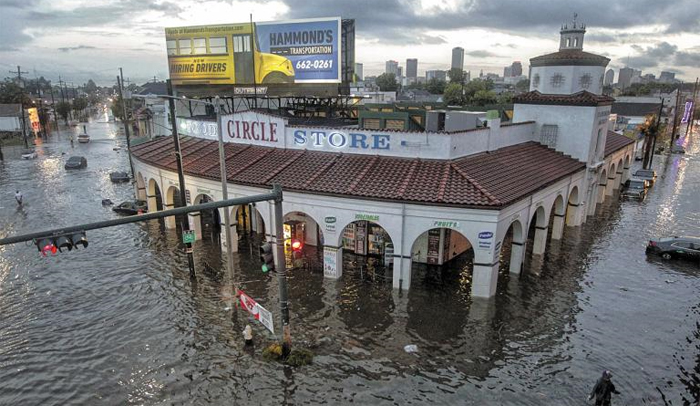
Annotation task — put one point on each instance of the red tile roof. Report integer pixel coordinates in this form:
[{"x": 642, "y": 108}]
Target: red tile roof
[
  {"x": 488, "y": 180},
  {"x": 582, "y": 98},
  {"x": 615, "y": 141}
]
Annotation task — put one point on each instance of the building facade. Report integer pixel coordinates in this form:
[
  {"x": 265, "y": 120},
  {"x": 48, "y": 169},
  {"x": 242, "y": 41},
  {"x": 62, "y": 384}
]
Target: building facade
[
  {"x": 457, "y": 58},
  {"x": 392, "y": 67},
  {"x": 491, "y": 194},
  {"x": 411, "y": 68}
]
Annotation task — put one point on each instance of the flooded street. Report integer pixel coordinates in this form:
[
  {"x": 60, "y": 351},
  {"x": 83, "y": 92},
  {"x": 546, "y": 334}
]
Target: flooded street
[{"x": 121, "y": 322}]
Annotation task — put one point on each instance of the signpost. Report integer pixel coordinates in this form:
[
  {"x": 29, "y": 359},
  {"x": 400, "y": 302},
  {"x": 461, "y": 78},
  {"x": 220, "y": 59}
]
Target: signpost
[
  {"x": 260, "y": 313},
  {"x": 188, "y": 237}
]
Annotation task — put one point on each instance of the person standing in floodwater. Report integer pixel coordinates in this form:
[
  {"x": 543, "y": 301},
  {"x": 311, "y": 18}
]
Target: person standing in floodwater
[
  {"x": 18, "y": 197},
  {"x": 603, "y": 390}
]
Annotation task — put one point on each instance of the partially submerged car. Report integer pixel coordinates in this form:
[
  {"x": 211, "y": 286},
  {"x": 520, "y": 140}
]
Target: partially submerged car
[
  {"x": 131, "y": 207},
  {"x": 117, "y": 177},
  {"x": 635, "y": 189},
  {"x": 29, "y": 153},
  {"x": 675, "y": 247},
  {"x": 647, "y": 174},
  {"x": 76, "y": 162}
]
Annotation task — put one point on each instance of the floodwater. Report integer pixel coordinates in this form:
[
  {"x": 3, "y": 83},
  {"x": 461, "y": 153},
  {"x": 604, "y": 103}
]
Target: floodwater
[{"x": 122, "y": 323}]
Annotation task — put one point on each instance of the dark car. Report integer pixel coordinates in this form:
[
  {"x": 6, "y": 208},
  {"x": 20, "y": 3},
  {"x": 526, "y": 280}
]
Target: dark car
[
  {"x": 76, "y": 162},
  {"x": 131, "y": 207},
  {"x": 648, "y": 174},
  {"x": 635, "y": 188},
  {"x": 675, "y": 247},
  {"x": 117, "y": 177}
]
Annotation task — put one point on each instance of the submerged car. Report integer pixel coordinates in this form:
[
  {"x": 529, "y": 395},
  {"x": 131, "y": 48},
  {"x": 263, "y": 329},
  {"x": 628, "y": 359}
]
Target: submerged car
[
  {"x": 131, "y": 207},
  {"x": 635, "y": 188},
  {"x": 677, "y": 149},
  {"x": 76, "y": 162},
  {"x": 29, "y": 154},
  {"x": 647, "y": 174},
  {"x": 117, "y": 177},
  {"x": 675, "y": 247}
]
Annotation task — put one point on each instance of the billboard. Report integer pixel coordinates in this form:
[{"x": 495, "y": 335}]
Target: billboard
[{"x": 287, "y": 52}]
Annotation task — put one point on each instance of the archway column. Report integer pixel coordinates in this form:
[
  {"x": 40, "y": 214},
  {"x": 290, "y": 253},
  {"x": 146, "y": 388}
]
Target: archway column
[
  {"x": 140, "y": 192},
  {"x": 169, "y": 221},
  {"x": 152, "y": 203},
  {"x": 601, "y": 194},
  {"x": 332, "y": 262},
  {"x": 540, "y": 242},
  {"x": 484, "y": 280},
  {"x": 573, "y": 215},
  {"x": 195, "y": 222},
  {"x": 517, "y": 256},
  {"x": 618, "y": 180},
  {"x": 610, "y": 186},
  {"x": 558, "y": 226}
]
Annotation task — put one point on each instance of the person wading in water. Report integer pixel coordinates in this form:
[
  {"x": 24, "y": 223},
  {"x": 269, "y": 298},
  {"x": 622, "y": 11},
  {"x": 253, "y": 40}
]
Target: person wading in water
[
  {"x": 18, "y": 197},
  {"x": 603, "y": 389}
]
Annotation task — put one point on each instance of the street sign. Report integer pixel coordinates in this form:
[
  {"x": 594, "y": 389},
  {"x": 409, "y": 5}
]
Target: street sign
[
  {"x": 188, "y": 237},
  {"x": 260, "y": 313}
]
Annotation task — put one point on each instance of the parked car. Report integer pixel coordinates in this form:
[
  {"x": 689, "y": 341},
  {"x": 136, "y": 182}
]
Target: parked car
[
  {"x": 131, "y": 207},
  {"x": 117, "y": 177},
  {"x": 83, "y": 138},
  {"x": 635, "y": 188},
  {"x": 677, "y": 149},
  {"x": 648, "y": 174},
  {"x": 76, "y": 162},
  {"x": 675, "y": 247},
  {"x": 639, "y": 155},
  {"x": 29, "y": 154}
]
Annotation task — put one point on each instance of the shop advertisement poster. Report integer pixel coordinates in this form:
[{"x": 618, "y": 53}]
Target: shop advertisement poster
[
  {"x": 330, "y": 223},
  {"x": 485, "y": 240},
  {"x": 330, "y": 266},
  {"x": 260, "y": 313}
]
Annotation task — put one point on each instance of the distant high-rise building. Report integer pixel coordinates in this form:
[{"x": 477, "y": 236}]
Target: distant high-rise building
[
  {"x": 624, "y": 78},
  {"x": 458, "y": 58},
  {"x": 609, "y": 77},
  {"x": 667, "y": 77},
  {"x": 516, "y": 69},
  {"x": 392, "y": 67},
  {"x": 436, "y": 74},
  {"x": 412, "y": 68},
  {"x": 399, "y": 72},
  {"x": 507, "y": 71},
  {"x": 359, "y": 72}
]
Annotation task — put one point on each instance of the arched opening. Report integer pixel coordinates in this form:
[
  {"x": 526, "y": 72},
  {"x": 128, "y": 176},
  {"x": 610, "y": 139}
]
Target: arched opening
[
  {"x": 626, "y": 169},
  {"x": 154, "y": 197},
  {"x": 537, "y": 232},
  {"x": 303, "y": 242},
  {"x": 172, "y": 201},
  {"x": 618, "y": 175},
  {"x": 368, "y": 251},
  {"x": 512, "y": 247},
  {"x": 572, "y": 208},
  {"x": 442, "y": 259},
  {"x": 140, "y": 187},
  {"x": 207, "y": 222},
  {"x": 249, "y": 221},
  {"x": 602, "y": 183},
  {"x": 610, "y": 185}
]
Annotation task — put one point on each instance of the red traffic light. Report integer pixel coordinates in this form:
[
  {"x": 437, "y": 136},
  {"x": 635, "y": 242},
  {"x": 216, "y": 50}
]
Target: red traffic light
[
  {"x": 46, "y": 246},
  {"x": 297, "y": 245}
]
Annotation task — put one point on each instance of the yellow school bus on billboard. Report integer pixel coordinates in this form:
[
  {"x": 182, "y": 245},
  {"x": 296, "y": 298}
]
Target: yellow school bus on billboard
[{"x": 222, "y": 54}]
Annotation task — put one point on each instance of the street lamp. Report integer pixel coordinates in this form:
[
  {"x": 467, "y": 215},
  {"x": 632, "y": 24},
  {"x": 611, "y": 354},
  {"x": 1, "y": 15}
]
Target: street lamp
[{"x": 222, "y": 163}]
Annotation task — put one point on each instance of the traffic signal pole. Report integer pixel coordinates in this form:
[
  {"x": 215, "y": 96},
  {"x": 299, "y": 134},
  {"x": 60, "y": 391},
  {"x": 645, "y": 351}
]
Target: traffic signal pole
[
  {"x": 224, "y": 187},
  {"x": 274, "y": 194},
  {"x": 280, "y": 268}
]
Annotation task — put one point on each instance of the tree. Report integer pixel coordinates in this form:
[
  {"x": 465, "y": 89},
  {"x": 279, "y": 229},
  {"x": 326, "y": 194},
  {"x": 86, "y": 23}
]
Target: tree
[
  {"x": 415, "y": 85},
  {"x": 504, "y": 98},
  {"x": 90, "y": 87},
  {"x": 80, "y": 104},
  {"x": 387, "y": 82},
  {"x": 457, "y": 75},
  {"x": 522, "y": 86},
  {"x": 11, "y": 93},
  {"x": 63, "y": 109},
  {"x": 471, "y": 88},
  {"x": 435, "y": 86},
  {"x": 483, "y": 97},
  {"x": 453, "y": 94},
  {"x": 117, "y": 108}
]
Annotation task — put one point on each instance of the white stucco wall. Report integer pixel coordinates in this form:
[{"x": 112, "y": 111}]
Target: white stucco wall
[
  {"x": 10, "y": 124},
  {"x": 572, "y": 79}
]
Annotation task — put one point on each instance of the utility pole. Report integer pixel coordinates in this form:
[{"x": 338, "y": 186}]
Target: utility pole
[
  {"x": 675, "y": 116},
  {"x": 280, "y": 268},
  {"x": 53, "y": 104},
  {"x": 252, "y": 47},
  {"x": 224, "y": 186},
  {"x": 21, "y": 104},
  {"x": 692, "y": 112},
  {"x": 656, "y": 133},
  {"x": 181, "y": 176},
  {"x": 126, "y": 124}
]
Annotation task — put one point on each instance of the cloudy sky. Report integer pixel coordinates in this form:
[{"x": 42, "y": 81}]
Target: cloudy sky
[{"x": 81, "y": 39}]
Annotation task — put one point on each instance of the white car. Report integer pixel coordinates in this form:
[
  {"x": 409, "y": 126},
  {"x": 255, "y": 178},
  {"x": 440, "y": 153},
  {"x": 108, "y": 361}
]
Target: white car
[{"x": 28, "y": 154}]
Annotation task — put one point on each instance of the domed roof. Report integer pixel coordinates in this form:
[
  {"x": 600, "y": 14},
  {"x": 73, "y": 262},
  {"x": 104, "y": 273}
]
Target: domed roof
[{"x": 569, "y": 57}]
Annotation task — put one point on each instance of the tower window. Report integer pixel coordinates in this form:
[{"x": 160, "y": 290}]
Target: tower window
[
  {"x": 575, "y": 42},
  {"x": 585, "y": 81},
  {"x": 568, "y": 42},
  {"x": 557, "y": 80}
]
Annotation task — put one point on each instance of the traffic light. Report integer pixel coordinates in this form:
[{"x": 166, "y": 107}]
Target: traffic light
[
  {"x": 297, "y": 245},
  {"x": 267, "y": 258},
  {"x": 60, "y": 242}
]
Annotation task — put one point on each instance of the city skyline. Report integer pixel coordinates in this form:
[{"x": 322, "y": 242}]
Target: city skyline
[{"x": 81, "y": 40}]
